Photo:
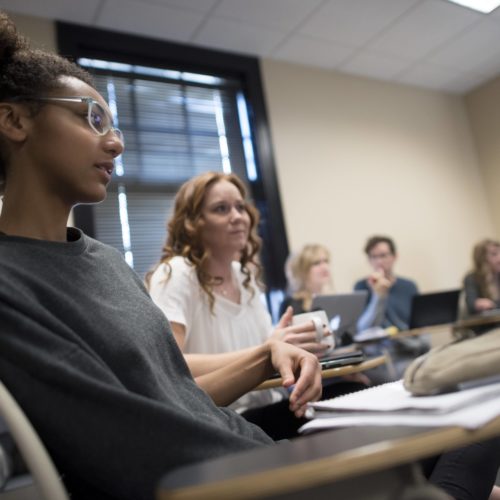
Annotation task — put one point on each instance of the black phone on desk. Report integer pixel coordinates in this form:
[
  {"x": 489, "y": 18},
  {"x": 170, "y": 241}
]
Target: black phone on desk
[
  {"x": 342, "y": 358},
  {"x": 338, "y": 359}
]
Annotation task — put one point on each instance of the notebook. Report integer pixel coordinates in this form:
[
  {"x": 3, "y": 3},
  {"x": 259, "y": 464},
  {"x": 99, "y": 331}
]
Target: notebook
[
  {"x": 392, "y": 405},
  {"x": 343, "y": 310},
  {"x": 437, "y": 308}
]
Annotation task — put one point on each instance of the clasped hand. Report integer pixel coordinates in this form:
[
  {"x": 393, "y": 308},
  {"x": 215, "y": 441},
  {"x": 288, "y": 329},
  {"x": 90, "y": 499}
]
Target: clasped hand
[
  {"x": 298, "y": 368},
  {"x": 303, "y": 335}
]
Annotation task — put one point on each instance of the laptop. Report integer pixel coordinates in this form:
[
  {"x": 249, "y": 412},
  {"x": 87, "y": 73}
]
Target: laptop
[
  {"x": 343, "y": 310},
  {"x": 437, "y": 308}
]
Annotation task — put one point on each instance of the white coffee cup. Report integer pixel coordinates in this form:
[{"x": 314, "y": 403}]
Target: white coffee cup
[{"x": 321, "y": 324}]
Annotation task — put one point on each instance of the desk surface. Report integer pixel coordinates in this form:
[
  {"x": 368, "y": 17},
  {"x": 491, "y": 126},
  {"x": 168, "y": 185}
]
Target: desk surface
[
  {"x": 332, "y": 372},
  {"x": 313, "y": 460},
  {"x": 478, "y": 320}
]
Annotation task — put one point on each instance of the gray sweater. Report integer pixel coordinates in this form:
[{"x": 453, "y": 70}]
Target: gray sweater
[{"x": 93, "y": 363}]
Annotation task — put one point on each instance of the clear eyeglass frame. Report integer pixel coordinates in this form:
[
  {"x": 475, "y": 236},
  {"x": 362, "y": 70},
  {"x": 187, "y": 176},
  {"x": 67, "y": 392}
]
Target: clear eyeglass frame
[{"x": 99, "y": 119}]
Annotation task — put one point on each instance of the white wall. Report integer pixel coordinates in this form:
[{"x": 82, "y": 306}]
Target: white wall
[{"x": 357, "y": 157}]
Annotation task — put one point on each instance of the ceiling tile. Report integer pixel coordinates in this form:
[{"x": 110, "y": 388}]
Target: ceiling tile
[
  {"x": 353, "y": 22},
  {"x": 432, "y": 42},
  {"x": 423, "y": 29},
  {"x": 236, "y": 36},
  {"x": 197, "y": 5},
  {"x": 62, "y": 10},
  {"x": 374, "y": 65},
  {"x": 149, "y": 20},
  {"x": 305, "y": 50},
  {"x": 470, "y": 50},
  {"x": 465, "y": 83},
  {"x": 279, "y": 14},
  {"x": 430, "y": 76}
]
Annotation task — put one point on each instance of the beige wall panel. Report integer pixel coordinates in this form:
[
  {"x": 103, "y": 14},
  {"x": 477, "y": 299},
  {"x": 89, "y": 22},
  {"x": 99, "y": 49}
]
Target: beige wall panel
[
  {"x": 356, "y": 157},
  {"x": 483, "y": 106}
]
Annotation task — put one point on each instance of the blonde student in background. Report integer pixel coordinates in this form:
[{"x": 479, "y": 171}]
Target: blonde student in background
[{"x": 308, "y": 273}]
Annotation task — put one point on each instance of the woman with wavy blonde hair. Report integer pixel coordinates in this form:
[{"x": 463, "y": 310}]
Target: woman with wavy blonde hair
[
  {"x": 308, "y": 274},
  {"x": 205, "y": 281},
  {"x": 482, "y": 284}
]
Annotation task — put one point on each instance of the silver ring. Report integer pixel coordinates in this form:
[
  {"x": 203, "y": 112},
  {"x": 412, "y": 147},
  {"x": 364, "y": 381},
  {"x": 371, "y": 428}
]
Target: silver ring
[{"x": 318, "y": 325}]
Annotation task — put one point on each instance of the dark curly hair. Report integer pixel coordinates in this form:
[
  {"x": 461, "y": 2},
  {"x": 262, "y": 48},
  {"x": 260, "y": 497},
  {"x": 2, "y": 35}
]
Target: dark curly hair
[
  {"x": 28, "y": 72},
  {"x": 184, "y": 232}
]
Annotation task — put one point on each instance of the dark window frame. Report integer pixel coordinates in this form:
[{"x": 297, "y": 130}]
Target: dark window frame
[{"x": 77, "y": 41}]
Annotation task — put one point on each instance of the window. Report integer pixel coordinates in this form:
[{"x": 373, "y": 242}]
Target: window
[{"x": 200, "y": 110}]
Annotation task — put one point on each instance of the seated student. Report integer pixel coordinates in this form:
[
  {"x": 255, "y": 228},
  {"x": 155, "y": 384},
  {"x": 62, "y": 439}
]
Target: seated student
[
  {"x": 83, "y": 349},
  {"x": 308, "y": 274},
  {"x": 482, "y": 284},
  {"x": 389, "y": 302},
  {"x": 211, "y": 299}
]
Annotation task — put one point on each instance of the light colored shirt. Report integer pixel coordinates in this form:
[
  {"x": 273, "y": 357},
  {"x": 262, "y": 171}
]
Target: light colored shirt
[{"x": 230, "y": 327}]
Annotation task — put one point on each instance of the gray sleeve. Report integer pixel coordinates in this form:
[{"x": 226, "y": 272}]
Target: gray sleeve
[
  {"x": 87, "y": 419},
  {"x": 471, "y": 293},
  {"x": 374, "y": 312}
]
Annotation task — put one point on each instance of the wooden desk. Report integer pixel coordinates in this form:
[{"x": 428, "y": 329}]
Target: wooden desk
[
  {"x": 478, "y": 320},
  {"x": 367, "y": 463},
  {"x": 332, "y": 372},
  {"x": 472, "y": 321}
]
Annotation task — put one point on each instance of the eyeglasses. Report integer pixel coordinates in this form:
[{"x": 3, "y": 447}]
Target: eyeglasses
[
  {"x": 99, "y": 119},
  {"x": 380, "y": 256}
]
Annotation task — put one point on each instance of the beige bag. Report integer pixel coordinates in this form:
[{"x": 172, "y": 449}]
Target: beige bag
[{"x": 446, "y": 366}]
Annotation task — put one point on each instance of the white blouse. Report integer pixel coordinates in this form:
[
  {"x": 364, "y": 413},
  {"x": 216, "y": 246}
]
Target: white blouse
[{"x": 230, "y": 327}]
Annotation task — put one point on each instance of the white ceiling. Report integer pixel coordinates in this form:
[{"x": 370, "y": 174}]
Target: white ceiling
[{"x": 428, "y": 43}]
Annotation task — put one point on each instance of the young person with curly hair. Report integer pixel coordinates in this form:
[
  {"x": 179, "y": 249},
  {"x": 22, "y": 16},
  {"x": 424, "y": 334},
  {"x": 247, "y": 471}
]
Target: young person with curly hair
[
  {"x": 206, "y": 284},
  {"x": 84, "y": 350}
]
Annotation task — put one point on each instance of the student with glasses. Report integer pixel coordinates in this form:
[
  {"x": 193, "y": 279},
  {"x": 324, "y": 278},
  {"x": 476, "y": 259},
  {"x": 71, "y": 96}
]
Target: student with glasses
[
  {"x": 87, "y": 355},
  {"x": 388, "y": 305}
]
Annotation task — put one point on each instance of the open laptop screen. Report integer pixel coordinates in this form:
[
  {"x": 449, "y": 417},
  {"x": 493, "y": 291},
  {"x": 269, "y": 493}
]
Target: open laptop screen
[
  {"x": 437, "y": 308},
  {"x": 343, "y": 310}
]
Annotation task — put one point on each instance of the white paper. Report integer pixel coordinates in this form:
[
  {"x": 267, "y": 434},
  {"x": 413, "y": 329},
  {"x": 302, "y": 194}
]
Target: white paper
[
  {"x": 391, "y": 404},
  {"x": 470, "y": 418},
  {"x": 394, "y": 397}
]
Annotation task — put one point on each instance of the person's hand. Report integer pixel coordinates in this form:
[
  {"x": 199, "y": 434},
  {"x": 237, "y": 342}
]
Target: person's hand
[
  {"x": 303, "y": 335},
  {"x": 483, "y": 304},
  {"x": 297, "y": 368},
  {"x": 379, "y": 283}
]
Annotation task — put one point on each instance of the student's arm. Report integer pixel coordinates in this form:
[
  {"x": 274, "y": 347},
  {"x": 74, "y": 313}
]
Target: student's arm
[
  {"x": 374, "y": 313},
  {"x": 250, "y": 367},
  {"x": 475, "y": 303},
  {"x": 117, "y": 440},
  {"x": 227, "y": 376}
]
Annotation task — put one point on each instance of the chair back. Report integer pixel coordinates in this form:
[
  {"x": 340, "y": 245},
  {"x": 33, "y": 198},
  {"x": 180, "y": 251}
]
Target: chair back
[{"x": 35, "y": 455}]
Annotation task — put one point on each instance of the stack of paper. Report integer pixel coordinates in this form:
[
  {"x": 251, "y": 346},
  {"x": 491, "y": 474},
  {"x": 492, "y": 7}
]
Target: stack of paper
[{"x": 392, "y": 404}]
